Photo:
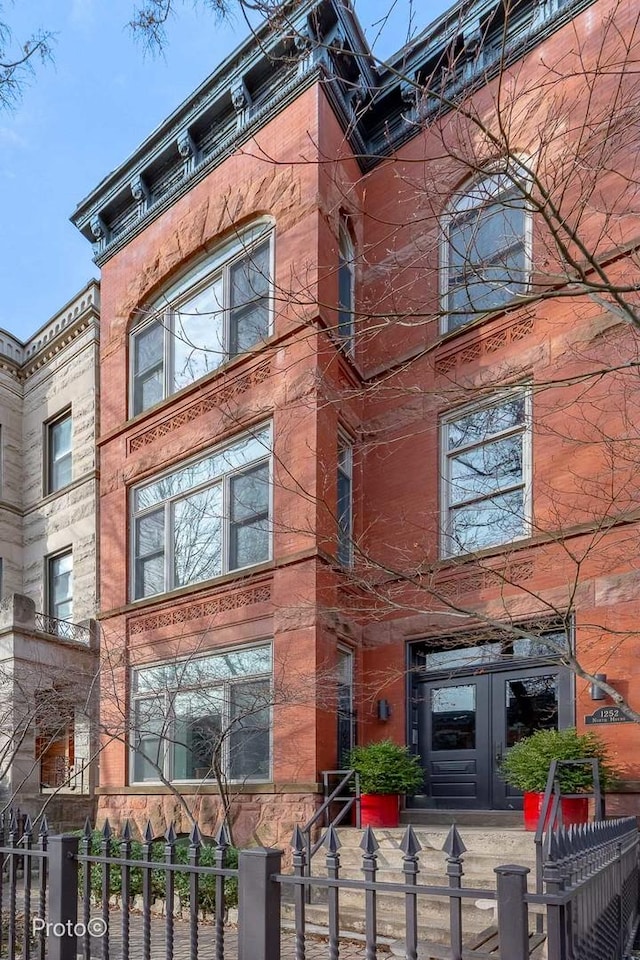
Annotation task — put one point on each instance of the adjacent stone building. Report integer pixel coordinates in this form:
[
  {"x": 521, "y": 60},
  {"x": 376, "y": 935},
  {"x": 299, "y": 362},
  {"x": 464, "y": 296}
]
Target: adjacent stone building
[
  {"x": 368, "y": 451},
  {"x": 48, "y": 555}
]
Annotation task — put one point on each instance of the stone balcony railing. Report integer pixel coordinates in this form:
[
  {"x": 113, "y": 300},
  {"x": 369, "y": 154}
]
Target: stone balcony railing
[{"x": 89, "y": 297}]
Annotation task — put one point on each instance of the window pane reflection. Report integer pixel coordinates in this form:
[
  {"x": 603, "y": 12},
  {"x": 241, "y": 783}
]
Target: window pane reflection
[
  {"x": 453, "y": 718},
  {"x": 532, "y": 705}
]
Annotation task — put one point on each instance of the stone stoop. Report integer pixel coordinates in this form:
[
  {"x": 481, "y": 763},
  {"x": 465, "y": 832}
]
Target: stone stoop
[{"x": 487, "y": 848}]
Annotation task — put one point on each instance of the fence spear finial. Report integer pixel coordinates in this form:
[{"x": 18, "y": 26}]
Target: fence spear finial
[
  {"x": 222, "y": 837},
  {"x": 369, "y": 844},
  {"x": 410, "y": 845},
  {"x": 331, "y": 840},
  {"x": 297, "y": 840},
  {"x": 195, "y": 837},
  {"x": 453, "y": 845}
]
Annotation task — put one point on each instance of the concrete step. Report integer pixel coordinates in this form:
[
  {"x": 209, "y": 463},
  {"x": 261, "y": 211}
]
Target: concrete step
[
  {"x": 468, "y": 818},
  {"x": 471, "y": 878},
  {"x": 487, "y": 848},
  {"x": 433, "y": 918},
  {"x": 391, "y": 857},
  {"x": 478, "y": 840}
]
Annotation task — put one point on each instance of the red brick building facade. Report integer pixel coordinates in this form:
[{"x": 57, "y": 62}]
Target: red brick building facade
[{"x": 368, "y": 452}]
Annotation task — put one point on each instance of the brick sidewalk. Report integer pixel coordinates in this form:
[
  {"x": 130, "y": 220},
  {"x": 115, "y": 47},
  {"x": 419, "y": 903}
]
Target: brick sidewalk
[{"x": 316, "y": 948}]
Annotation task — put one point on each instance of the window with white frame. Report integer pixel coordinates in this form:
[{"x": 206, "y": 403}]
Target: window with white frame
[
  {"x": 205, "y": 518},
  {"x": 486, "y": 475},
  {"x": 486, "y": 249},
  {"x": 346, "y": 286},
  {"x": 345, "y": 501},
  {"x": 60, "y": 586},
  {"x": 220, "y": 309},
  {"x": 192, "y": 717},
  {"x": 59, "y": 455}
]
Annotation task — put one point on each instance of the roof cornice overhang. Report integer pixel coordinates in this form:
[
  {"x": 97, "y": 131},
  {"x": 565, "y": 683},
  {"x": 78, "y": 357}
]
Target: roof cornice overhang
[
  {"x": 380, "y": 106},
  {"x": 226, "y": 110}
]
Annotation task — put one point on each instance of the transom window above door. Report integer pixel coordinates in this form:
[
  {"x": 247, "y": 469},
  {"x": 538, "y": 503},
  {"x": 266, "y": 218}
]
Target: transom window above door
[
  {"x": 475, "y": 655},
  {"x": 217, "y": 311}
]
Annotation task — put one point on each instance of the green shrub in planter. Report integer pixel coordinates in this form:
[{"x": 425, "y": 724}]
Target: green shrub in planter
[
  {"x": 385, "y": 767},
  {"x": 526, "y": 764}
]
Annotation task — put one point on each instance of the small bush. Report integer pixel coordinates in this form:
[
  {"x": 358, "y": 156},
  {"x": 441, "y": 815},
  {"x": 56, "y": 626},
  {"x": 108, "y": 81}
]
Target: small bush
[
  {"x": 207, "y": 884},
  {"x": 526, "y": 764},
  {"x": 386, "y": 767}
]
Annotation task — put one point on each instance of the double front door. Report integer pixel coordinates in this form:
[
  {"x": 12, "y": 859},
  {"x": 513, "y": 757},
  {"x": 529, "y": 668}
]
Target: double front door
[{"x": 467, "y": 723}]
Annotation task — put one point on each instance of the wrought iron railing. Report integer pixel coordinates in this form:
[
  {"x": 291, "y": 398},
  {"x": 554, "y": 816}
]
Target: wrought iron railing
[
  {"x": 62, "y": 628},
  {"x": 551, "y": 809},
  {"x": 343, "y": 798},
  {"x": 59, "y": 772},
  {"x": 591, "y": 890},
  {"x": 58, "y": 893}
]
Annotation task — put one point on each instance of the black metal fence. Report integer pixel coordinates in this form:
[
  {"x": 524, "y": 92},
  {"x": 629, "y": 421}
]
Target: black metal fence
[{"x": 112, "y": 897}]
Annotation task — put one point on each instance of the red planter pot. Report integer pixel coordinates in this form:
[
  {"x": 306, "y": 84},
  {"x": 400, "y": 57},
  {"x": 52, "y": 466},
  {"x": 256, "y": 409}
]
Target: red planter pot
[
  {"x": 379, "y": 810},
  {"x": 574, "y": 810}
]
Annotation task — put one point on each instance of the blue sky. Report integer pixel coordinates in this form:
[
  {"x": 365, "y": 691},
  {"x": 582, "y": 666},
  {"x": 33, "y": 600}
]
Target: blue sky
[{"x": 86, "y": 112}]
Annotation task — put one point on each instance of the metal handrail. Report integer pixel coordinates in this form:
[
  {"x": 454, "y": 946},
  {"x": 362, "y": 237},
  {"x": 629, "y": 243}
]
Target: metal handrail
[
  {"x": 552, "y": 807},
  {"x": 65, "y": 629},
  {"x": 323, "y": 812}
]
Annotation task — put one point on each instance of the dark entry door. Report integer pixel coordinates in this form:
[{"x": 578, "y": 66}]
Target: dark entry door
[{"x": 467, "y": 723}]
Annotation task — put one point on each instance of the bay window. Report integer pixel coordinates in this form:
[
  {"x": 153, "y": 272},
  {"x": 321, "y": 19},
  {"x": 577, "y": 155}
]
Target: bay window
[
  {"x": 486, "y": 250},
  {"x": 205, "y": 518},
  {"x": 210, "y": 713},
  {"x": 220, "y": 309},
  {"x": 486, "y": 475}
]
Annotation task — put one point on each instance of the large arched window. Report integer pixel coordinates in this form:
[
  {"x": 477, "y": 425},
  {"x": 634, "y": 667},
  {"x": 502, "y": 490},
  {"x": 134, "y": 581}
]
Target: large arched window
[
  {"x": 486, "y": 252},
  {"x": 221, "y": 308}
]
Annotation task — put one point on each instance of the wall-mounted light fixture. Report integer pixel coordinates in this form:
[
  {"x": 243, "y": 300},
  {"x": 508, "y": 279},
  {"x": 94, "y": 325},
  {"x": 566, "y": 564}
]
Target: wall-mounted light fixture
[
  {"x": 384, "y": 710},
  {"x": 597, "y": 693}
]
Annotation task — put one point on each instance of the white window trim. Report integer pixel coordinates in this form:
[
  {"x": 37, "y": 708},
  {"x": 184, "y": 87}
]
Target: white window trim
[
  {"x": 168, "y": 544},
  {"x": 49, "y": 426},
  {"x": 198, "y": 278},
  {"x": 464, "y": 200},
  {"x": 168, "y": 772},
  {"x": 49, "y": 561},
  {"x": 448, "y": 549},
  {"x": 347, "y": 253},
  {"x": 345, "y": 443}
]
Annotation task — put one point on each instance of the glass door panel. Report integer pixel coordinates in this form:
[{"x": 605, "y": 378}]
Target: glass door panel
[
  {"x": 453, "y": 717},
  {"x": 523, "y": 703},
  {"x": 531, "y": 705},
  {"x": 466, "y": 724},
  {"x": 453, "y": 742}
]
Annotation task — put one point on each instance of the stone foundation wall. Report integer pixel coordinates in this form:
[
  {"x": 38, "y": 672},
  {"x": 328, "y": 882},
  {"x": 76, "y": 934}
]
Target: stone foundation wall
[
  {"x": 64, "y": 812},
  {"x": 624, "y": 804},
  {"x": 259, "y": 819}
]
